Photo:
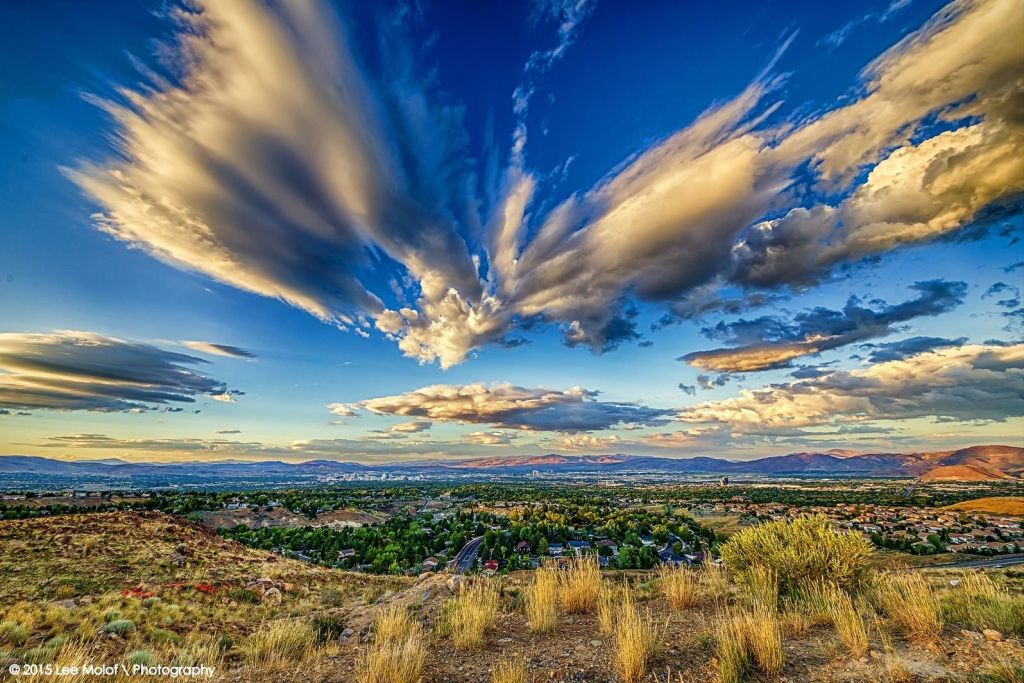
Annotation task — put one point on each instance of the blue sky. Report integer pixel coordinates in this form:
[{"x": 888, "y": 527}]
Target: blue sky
[{"x": 454, "y": 229}]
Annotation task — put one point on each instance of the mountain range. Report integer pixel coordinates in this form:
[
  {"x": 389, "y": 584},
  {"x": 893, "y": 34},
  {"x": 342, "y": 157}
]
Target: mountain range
[{"x": 975, "y": 463}]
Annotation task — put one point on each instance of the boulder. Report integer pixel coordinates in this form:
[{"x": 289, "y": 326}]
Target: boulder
[
  {"x": 993, "y": 635},
  {"x": 272, "y": 596}
]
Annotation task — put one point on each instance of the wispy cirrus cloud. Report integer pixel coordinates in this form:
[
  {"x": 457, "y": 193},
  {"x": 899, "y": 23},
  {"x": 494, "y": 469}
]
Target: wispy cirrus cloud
[
  {"x": 70, "y": 370},
  {"x": 513, "y": 407},
  {"x": 219, "y": 349},
  {"x": 769, "y": 342},
  {"x": 276, "y": 163}
]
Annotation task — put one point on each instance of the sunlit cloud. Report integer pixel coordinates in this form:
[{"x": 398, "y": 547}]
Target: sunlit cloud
[
  {"x": 219, "y": 349},
  {"x": 510, "y": 406}
]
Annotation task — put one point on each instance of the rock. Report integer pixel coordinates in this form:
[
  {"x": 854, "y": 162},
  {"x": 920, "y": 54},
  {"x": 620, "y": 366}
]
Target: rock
[
  {"x": 596, "y": 643},
  {"x": 454, "y": 583},
  {"x": 272, "y": 596},
  {"x": 993, "y": 635},
  {"x": 874, "y": 654},
  {"x": 973, "y": 635},
  {"x": 346, "y": 634},
  {"x": 67, "y": 604},
  {"x": 177, "y": 559}
]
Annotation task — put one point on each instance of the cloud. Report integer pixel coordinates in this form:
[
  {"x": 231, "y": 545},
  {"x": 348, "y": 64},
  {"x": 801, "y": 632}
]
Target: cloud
[
  {"x": 343, "y": 409},
  {"x": 509, "y": 406},
  {"x": 770, "y": 342},
  {"x": 274, "y": 162},
  {"x": 219, "y": 349},
  {"x": 400, "y": 431},
  {"x": 968, "y": 383},
  {"x": 69, "y": 370},
  {"x": 490, "y": 438},
  {"x": 188, "y": 445},
  {"x": 898, "y": 350},
  {"x": 229, "y": 431}
]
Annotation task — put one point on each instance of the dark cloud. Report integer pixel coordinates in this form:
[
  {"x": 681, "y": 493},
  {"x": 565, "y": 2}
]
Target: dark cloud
[
  {"x": 907, "y": 347},
  {"x": 707, "y": 382},
  {"x": 86, "y": 371},
  {"x": 688, "y": 389},
  {"x": 229, "y": 431},
  {"x": 770, "y": 342}
]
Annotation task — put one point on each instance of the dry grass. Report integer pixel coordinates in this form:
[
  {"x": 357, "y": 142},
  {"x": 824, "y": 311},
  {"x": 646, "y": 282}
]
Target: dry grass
[
  {"x": 471, "y": 613},
  {"x": 509, "y": 671},
  {"x": 637, "y": 639},
  {"x": 798, "y": 551},
  {"x": 542, "y": 600},
  {"x": 280, "y": 644},
  {"x": 978, "y": 602},
  {"x": 717, "y": 580},
  {"x": 848, "y": 622},
  {"x": 679, "y": 585},
  {"x": 746, "y": 638},
  {"x": 397, "y": 654},
  {"x": 910, "y": 604},
  {"x": 606, "y": 606},
  {"x": 733, "y": 658},
  {"x": 580, "y": 585}
]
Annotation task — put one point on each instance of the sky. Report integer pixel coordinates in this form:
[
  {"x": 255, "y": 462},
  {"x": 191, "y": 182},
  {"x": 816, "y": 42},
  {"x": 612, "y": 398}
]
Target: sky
[{"x": 380, "y": 232}]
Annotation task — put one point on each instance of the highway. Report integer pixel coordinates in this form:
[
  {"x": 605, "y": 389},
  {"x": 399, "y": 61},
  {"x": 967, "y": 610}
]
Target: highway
[
  {"x": 464, "y": 560},
  {"x": 988, "y": 563}
]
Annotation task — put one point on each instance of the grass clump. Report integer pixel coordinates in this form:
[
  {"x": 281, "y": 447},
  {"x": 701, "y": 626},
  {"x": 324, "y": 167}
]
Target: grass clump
[
  {"x": 717, "y": 579},
  {"x": 761, "y": 586},
  {"x": 679, "y": 585},
  {"x": 637, "y": 639},
  {"x": 471, "y": 613},
  {"x": 978, "y": 602},
  {"x": 749, "y": 638},
  {"x": 542, "y": 600},
  {"x": 509, "y": 671},
  {"x": 139, "y": 657},
  {"x": 910, "y": 604},
  {"x": 848, "y": 622},
  {"x": 280, "y": 644},
  {"x": 580, "y": 586},
  {"x": 606, "y": 605},
  {"x": 119, "y": 626},
  {"x": 799, "y": 551},
  {"x": 397, "y": 654}
]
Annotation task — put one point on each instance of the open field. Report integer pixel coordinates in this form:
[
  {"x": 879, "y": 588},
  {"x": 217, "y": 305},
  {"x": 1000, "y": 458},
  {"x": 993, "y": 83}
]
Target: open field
[
  {"x": 995, "y": 505},
  {"x": 133, "y": 586}
]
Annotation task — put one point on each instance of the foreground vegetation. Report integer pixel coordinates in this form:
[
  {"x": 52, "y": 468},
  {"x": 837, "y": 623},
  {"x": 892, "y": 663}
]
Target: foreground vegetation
[{"x": 788, "y": 601}]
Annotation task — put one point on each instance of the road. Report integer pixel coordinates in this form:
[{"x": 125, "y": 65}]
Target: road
[
  {"x": 464, "y": 560},
  {"x": 988, "y": 563}
]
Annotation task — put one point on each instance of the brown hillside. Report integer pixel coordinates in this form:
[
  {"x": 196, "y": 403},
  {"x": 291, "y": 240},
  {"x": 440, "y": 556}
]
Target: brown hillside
[
  {"x": 963, "y": 473},
  {"x": 995, "y": 505}
]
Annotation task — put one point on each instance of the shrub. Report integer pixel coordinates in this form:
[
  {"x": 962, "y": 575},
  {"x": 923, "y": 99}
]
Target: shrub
[
  {"x": 280, "y": 644},
  {"x": 799, "y": 551},
  {"x": 679, "y": 586},
  {"x": 140, "y": 657},
  {"x": 119, "y": 626},
  {"x": 908, "y": 601},
  {"x": 397, "y": 654},
  {"x": 979, "y": 602},
  {"x": 332, "y": 597},
  {"x": 580, "y": 587},
  {"x": 13, "y": 633},
  {"x": 40, "y": 655},
  {"x": 636, "y": 640},
  {"x": 162, "y": 635},
  {"x": 328, "y": 627},
  {"x": 542, "y": 600},
  {"x": 471, "y": 613},
  {"x": 509, "y": 671}
]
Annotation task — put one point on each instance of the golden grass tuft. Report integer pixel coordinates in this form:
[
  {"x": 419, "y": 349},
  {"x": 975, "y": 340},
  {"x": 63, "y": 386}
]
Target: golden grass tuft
[
  {"x": 746, "y": 638},
  {"x": 509, "y": 671},
  {"x": 580, "y": 585},
  {"x": 472, "y": 612},
  {"x": 910, "y": 604},
  {"x": 637, "y": 639},
  {"x": 799, "y": 551},
  {"x": 848, "y": 622},
  {"x": 679, "y": 585},
  {"x": 397, "y": 654},
  {"x": 717, "y": 579},
  {"x": 280, "y": 644},
  {"x": 606, "y": 606},
  {"x": 541, "y": 600},
  {"x": 761, "y": 586}
]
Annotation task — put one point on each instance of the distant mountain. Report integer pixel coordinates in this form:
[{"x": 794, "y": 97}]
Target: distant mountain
[{"x": 976, "y": 463}]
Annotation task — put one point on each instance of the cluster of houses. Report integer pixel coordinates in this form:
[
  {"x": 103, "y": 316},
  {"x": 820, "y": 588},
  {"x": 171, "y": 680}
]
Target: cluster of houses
[{"x": 918, "y": 528}]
